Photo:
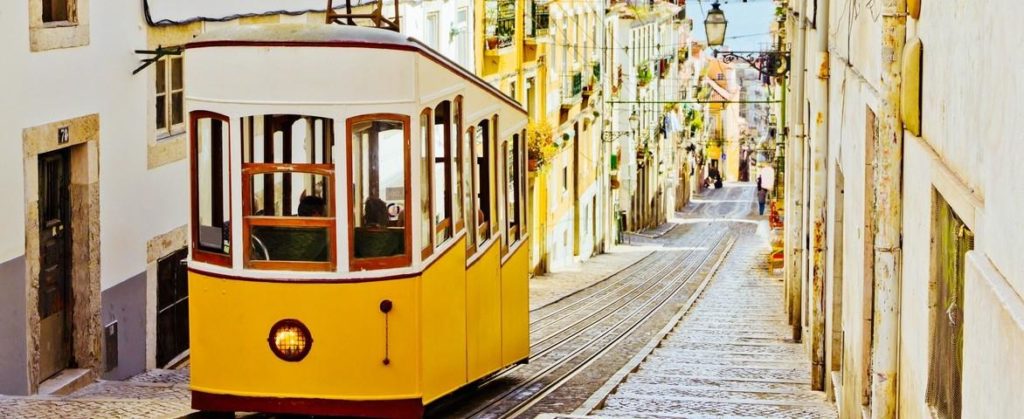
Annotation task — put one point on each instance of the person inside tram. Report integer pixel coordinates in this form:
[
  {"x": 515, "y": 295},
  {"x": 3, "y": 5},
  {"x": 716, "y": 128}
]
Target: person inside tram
[
  {"x": 373, "y": 237},
  {"x": 312, "y": 206}
]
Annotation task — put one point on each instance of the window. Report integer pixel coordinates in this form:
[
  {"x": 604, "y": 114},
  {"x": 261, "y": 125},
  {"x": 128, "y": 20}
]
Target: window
[
  {"x": 211, "y": 191},
  {"x": 469, "y": 181},
  {"x": 379, "y": 192},
  {"x": 288, "y": 192},
  {"x": 442, "y": 182},
  {"x": 170, "y": 102},
  {"x": 513, "y": 186},
  {"x": 482, "y": 181},
  {"x": 57, "y": 10},
  {"x": 431, "y": 36},
  {"x": 458, "y": 188},
  {"x": 462, "y": 39},
  {"x": 952, "y": 240},
  {"x": 426, "y": 227}
]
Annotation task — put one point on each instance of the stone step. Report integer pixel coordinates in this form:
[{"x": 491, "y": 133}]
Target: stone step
[
  {"x": 705, "y": 370},
  {"x": 687, "y": 407}
]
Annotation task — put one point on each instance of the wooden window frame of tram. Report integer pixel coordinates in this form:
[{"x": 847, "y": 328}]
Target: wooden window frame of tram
[
  {"x": 386, "y": 262},
  {"x": 330, "y": 222},
  {"x": 449, "y": 162},
  {"x": 427, "y": 141},
  {"x": 456, "y": 159},
  {"x": 198, "y": 254}
]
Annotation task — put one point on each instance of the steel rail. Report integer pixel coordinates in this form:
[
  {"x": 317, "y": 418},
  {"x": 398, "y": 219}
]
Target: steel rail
[{"x": 666, "y": 293}]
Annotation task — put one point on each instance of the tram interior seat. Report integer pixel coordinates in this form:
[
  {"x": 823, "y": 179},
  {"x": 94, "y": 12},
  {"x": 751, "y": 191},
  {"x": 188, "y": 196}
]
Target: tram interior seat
[
  {"x": 379, "y": 242},
  {"x": 293, "y": 243}
]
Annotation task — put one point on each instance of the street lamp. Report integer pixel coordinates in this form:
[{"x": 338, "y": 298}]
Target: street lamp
[
  {"x": 634, "y": 121},
  {"x": 714, "y": 25}
]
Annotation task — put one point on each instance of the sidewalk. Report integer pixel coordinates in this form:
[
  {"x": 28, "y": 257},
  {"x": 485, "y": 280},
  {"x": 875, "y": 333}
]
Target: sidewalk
[
  {"x": 553, "y": 286},
  {"x": 728, "y": 357}
]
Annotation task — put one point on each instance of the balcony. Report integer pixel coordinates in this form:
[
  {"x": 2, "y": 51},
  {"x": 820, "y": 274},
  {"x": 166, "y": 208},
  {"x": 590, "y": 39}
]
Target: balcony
[
  {"x": 540, "y": 27},
  {"x": 572, "y": 89},
  {"x": 593, "y": 80},
  {"x": 499, "y": 26}
]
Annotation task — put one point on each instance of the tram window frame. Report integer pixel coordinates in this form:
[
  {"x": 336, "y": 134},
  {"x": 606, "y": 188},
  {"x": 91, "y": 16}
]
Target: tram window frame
[
  {"x": 384, "y": 262},
  {"x": 524, "y": 218},
  {"x": 458, "y": 154},
  {"x": 426, "y": 183},
  {"x": 199, "y": 253},
  {"x": 276, "y": 156},
  {"x": 441, "y": 187},
  {"x": 513, "y": 197},
  {"x": 468, "y": 163},
  {"x": 482, "y": 195}
]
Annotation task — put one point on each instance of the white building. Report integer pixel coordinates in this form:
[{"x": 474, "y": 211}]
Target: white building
[
  {"x": 903, "y": 206},
  {"x": 94, "y": 166}
]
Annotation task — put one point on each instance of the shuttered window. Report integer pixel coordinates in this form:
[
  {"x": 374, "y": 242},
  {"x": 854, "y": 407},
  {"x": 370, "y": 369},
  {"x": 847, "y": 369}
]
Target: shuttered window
[{"x": 951, "y": 242}]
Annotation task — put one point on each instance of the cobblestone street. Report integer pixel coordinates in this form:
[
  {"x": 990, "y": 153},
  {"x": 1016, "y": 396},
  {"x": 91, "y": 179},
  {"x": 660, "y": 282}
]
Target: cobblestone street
[
  {"x": 723, "y": 354},
  {"x": 729, "y": 357},
  {"x": 154, "y": 394}
]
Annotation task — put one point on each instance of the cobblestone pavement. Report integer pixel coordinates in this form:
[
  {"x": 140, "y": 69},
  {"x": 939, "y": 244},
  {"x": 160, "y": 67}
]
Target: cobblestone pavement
[
  {"x": 728, "y": 357},
  {"x": 154, "y": 394}
]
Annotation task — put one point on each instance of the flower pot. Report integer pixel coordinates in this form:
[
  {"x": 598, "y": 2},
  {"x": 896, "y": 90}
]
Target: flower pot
[{"x": 532, "y": 164}]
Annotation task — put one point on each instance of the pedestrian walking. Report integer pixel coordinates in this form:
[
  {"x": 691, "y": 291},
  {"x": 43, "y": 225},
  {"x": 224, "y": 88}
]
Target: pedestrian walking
[{"x": 762, "y": 197}]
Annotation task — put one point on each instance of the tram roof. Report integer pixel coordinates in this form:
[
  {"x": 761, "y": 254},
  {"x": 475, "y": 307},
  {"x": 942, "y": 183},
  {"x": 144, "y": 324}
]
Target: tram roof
[{"x": 326, "y": 35}]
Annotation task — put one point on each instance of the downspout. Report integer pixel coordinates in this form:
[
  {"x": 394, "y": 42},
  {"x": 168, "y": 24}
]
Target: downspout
[
  {"x": 819, "y": 203},
  {"x": 888, "y": 206},
  {"x": 795, "y": 190}
]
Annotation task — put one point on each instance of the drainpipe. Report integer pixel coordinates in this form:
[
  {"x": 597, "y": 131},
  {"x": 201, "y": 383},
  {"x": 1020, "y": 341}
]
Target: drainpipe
[
  {"x": 795, "y": 188},
  {"x": 888, "y": 212},
  {"x": 819, "y": 203}
]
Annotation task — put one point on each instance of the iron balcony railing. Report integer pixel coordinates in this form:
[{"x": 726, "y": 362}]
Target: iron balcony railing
[
  {"x": 541, "y": 19},
  {"x": 500, "y": 24},
  {"x": 572, "y": 88}
]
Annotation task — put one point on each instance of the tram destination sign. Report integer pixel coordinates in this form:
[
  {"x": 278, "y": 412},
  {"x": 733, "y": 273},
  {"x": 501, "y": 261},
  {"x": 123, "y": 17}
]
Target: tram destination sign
[{"x": 170, "y": 12}]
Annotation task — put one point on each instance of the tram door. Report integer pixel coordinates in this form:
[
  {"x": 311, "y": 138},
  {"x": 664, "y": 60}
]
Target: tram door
[
  {"x": 55, "y": 263},
  {"x": 172, "y": 308}
]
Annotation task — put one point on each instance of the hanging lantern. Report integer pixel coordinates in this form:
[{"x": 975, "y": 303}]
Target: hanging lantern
[{"x": 714, "y": 25}]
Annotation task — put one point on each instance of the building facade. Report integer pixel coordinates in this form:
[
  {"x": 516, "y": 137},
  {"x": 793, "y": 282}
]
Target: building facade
[{"x": 901, "y": 202}]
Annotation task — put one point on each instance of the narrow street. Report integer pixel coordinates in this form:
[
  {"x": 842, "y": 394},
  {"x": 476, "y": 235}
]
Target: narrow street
[{"x": 693, "y": 328}]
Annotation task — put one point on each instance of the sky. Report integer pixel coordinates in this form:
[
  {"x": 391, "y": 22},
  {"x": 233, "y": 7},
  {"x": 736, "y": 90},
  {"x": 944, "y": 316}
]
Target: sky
[{"x": 748, "y": 22}]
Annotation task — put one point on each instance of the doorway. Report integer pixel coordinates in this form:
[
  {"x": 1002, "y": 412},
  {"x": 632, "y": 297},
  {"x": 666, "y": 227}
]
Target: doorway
[
  {"x": 172, "y": 308},
  {"x": 54, "y": 302}
]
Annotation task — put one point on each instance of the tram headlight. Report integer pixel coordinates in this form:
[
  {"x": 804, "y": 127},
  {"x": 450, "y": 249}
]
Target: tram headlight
[{"x": 290, "y": 340}]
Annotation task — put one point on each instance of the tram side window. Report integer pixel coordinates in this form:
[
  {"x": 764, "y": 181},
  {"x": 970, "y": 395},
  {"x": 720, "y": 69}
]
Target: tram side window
[
  {"x": 468, "y": 165},
  {"x": 482, "y": 181},
  {"x": 514, "y": 177},
  {"x": 288, "y": 192},
  {"x": 211, "y": 190},
  {"x": 379, "y": 193},
  {"x": 426, "y": 228},
  {"x": 442, "y": 187},
  {"x": 456, "y": 151}
]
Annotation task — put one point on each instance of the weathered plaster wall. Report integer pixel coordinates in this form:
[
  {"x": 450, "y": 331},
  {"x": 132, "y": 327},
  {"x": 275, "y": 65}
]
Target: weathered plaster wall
[
  {"x": 125, "y": 303},
  {"x": 968, "y": 154},
  {"x": 13, "y": 322}
]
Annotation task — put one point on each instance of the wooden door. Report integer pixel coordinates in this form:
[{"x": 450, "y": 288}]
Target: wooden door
[
  {"x": 55, "y": 263},
  {"x": 172, "y": 308}
]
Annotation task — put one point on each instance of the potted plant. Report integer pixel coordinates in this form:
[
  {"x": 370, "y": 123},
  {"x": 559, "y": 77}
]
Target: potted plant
[
  {"x": 643, "y": 75},
  {"x": 540, "y": 144}
]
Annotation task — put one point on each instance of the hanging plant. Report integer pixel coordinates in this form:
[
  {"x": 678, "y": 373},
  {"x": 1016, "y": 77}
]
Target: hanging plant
[
  {"x": 540, "y": 145},
  {"x": 643, "y": 75}
]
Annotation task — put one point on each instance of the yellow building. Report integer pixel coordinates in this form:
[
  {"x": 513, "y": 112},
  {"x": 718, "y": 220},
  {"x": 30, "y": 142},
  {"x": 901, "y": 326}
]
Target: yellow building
[{"x": 545, "y": 55}]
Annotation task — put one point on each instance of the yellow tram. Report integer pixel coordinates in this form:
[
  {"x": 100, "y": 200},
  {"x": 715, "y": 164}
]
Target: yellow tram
[{"x": 358, "y": 222}]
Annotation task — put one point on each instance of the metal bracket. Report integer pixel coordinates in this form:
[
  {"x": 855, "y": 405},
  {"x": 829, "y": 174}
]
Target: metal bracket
[
  {"x": 768, "y": 63},
  {"x": 157, "y": 54}
]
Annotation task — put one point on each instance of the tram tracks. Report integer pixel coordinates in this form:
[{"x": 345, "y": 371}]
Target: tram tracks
[{"x": 625, "y": 306}]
